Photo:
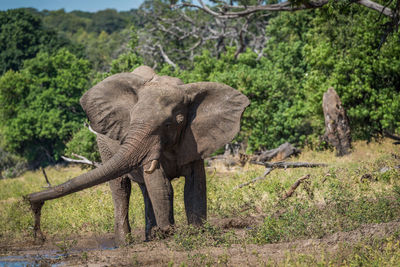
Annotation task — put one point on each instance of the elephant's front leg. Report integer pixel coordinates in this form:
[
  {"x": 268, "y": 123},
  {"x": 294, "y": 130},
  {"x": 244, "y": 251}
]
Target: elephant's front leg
[
  {"x": 195, "y": 194},
  {"x": 121, "y": 191},
  {"x": 161, "y": 195}
]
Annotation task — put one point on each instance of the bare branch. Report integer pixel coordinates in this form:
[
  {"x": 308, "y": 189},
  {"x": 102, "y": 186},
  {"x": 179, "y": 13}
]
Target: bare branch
[
  {"x": 90, "y": 128},
  {"x": 45, "y": 177},
  {"x": 267, "y": 171},
  {"x": 282, "y": 6},
  {"x": 165, "y": 56},
  {"x": 294, "y": 187},
  {"x": 82, "y": 160},
  {"x": 285, "y": 165},
  {"x": 377, "y": 7}
]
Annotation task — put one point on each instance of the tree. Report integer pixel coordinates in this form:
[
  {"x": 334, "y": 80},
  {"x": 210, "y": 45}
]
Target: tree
[
  {"x": 244, "y": 8},
  {"x": 22, "y": 36},
  {"x": 40, "y": 104},
  {"x": 176, "y": 36}
]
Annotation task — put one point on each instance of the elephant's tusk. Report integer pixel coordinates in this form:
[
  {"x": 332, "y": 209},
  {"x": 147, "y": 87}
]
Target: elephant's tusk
[{"x": 153, "y": 167}]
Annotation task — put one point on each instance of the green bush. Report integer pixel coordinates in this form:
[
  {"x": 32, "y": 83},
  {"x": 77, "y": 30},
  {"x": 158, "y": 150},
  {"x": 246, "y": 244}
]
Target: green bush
[
  {"x": 84, "y": 144},
  {"x": 40, "y": 105}
]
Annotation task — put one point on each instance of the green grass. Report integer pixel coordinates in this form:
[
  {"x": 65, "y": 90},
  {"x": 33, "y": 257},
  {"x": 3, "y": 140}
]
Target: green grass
[{"x": 334, "y": 199}]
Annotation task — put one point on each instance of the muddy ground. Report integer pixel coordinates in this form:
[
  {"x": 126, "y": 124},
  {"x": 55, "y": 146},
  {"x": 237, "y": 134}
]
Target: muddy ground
[{"x": 99, "y": 250}]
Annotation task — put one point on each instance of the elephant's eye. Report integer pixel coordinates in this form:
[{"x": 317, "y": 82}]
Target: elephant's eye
[{"x": 168, "y": 124}]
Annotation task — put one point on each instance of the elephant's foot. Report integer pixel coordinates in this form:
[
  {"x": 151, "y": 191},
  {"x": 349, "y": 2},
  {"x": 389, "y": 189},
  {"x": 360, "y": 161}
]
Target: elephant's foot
[
  {"x": 123, "y": 236},
  {"x": 159, "y": 233}
]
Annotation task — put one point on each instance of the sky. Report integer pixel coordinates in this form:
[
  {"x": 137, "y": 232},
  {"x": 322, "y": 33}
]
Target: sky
[{"x": 69, "y": 5}]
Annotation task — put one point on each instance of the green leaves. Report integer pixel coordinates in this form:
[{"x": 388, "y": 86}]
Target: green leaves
[{"x": 40, "y": 103}]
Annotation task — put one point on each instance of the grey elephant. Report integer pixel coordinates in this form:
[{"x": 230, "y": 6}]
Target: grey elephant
[{"x": 152, "y": 129}]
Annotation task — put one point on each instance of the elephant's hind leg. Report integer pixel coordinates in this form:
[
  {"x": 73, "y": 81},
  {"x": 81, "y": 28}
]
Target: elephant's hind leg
[
  {"x": 120, "y": 189},
  {"x": 150, "y": 218},
  {"x": 195, "y": 195}
]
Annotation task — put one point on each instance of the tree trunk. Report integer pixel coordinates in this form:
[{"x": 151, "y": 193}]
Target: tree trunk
[{"x": 337, "y": 127}]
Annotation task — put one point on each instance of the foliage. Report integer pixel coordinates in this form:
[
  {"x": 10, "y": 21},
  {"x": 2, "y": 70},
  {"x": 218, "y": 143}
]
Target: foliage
[
  {"x": 104, "y": 34},
  {"x": 22, "y": 35},
  {"x": 11, "y": 165},
  {"x": 277, "y": 111},
  {"x": 307, "y": 53},
  {"x": 344, "y": 51},
  {"x": 40, "y": 104},
  {"x": 84, "y": 144},
  {"x": 129, "y": 60}
]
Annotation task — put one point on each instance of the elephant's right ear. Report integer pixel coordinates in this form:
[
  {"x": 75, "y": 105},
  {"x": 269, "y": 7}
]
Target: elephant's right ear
[{"x": 108, "y": 103}]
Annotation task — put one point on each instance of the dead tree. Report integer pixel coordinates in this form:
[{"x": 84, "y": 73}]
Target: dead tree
[
  {"x": 178, "y": 35},
  {"x": 337, "y": 126},
  {"x": 225, "y": 10}
]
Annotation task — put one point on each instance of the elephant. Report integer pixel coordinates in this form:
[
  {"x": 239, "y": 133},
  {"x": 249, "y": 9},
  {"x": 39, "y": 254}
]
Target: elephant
[{"x": 152, "y": 129}]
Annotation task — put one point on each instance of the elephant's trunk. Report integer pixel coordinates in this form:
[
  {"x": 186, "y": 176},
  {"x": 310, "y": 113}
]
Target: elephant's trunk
[{"x": 133, "y": 152}]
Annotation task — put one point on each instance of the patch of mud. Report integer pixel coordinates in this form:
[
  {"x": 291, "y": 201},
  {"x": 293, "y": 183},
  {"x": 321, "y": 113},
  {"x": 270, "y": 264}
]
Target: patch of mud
[{"x": 90, "y": 251}]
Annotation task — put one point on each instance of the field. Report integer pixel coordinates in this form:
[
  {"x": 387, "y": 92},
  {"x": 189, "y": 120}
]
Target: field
[{"x": 347, "y": 213}]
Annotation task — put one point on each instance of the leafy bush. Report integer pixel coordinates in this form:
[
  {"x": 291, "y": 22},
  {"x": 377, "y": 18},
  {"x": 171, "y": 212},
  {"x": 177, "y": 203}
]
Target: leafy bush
[
  {"x": 11, "y": 165},
  {"x": 40, "y": 104}
]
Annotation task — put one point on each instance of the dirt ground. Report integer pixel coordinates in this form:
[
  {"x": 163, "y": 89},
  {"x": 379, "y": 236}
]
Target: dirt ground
[{"x": 99, "y": 250}]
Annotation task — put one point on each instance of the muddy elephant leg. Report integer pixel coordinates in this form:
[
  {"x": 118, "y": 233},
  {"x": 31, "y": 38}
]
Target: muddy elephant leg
[
  {"x": 121, "y": 191},
  {"x": 149, "y": 216},
  {"x": 161, "y": 195},
  {"x": 195, "y": 195}
]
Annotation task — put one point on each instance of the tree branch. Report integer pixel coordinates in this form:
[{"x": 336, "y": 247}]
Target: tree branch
[
  {"x": 165, "y": 56},
  {"x": 82, "y": 160},
  {"x": 285, "y": 165},
  {"x": 283, "y": 6},
  {"x": 45, "y": 177},
  {"x": 267, "y": 171},
  {"x": 294, "y": 187}
]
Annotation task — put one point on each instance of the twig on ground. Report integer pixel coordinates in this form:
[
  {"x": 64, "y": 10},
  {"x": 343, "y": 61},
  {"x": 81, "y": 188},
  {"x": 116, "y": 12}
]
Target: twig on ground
[
  {"x": 284, "y": 165},
  {"x": 294, "y": 186},
  {"x": 267, "y": 171},
  {"x": 82, "y": 160},
  {"x": 45, "y": 177}
]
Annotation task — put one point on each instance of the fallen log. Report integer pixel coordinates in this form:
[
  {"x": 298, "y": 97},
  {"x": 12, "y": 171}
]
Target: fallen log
[
  {"x": 285, "y": 165},
  {"x": 393, "y": 137},
  {"x": 280, "y": 153}
]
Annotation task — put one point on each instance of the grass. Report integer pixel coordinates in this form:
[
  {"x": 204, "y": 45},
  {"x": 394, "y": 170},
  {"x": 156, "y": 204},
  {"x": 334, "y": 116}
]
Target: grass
[{"x": 357, "y": 189}]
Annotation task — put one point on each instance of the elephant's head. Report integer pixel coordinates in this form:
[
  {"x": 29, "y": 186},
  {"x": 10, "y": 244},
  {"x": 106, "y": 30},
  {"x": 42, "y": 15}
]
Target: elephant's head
[{"x": 147, "y": 114}]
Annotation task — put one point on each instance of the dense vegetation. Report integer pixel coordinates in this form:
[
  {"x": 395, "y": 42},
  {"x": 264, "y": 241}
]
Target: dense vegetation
[{"x": 49, "y": 58}]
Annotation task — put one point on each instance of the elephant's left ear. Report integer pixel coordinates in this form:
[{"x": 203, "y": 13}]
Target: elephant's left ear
[{"x": 213, "y": 119}]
